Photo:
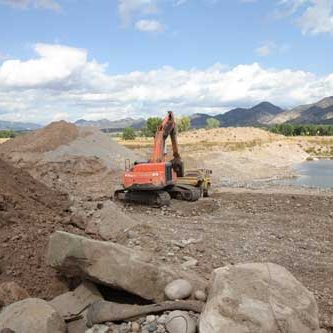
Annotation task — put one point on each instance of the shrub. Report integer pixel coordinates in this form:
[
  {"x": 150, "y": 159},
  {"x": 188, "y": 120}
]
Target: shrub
[
  {"x": 212, "y": 123},
  {"x": 151, "y": 126},
  {"x": 128, "y": 134},
  {"x": 184, "y": 124}
]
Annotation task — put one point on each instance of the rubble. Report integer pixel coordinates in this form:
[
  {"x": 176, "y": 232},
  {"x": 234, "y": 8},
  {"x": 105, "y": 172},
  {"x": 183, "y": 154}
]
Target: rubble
[
  {"x": 114, "y": 265},
  {"x": 72, "y": 303}
]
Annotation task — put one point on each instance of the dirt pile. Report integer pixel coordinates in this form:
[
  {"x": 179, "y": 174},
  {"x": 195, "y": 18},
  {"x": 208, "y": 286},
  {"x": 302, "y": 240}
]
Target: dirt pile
[
  {"x": 83, "y": 162},
  {"x": 93, "y": 143},
  {"x": 29, "y": 213},
  {"x": 46, "y": 139},
  {"x": 229, "y": 134}
]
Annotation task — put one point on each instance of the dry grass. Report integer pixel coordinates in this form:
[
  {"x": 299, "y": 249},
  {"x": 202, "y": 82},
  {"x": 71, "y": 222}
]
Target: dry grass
[
  {"x": 228, "y": 139},
  {"x": 3, "y": 140},
  {"x": 235, "y": 140}
]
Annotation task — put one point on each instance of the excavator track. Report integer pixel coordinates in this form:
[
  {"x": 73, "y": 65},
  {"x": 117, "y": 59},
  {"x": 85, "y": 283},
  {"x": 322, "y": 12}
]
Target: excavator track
[
  {"x": 185, "y": 192},
  {"x": 152, "y": 198}
]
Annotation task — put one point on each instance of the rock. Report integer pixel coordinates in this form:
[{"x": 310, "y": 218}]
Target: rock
[
  {"x": 110, "y": 222},
  {"x": 163, "y": 319},
  {"x": 98, "y": 329},
  {"x": 135, "y": 327},
  {"x": 152, "y": 327},
  {"x": 11, "y": 292},
  {"x": 150, "y": 318},
  {"x": 190, "y": 262},
  {"x": 131, "y": 234},
  {"x": 115, "y": 265},
  {"x": 200, "y": 295},
  {"x": 72, "y": 303},
  {"x": 180, "y": 322},
  {"x": 7, "y": 330},
  {"x": 258, "y": 297},
  {"x": 178, "y": 289},
  {"x": 30, "y": 316}
]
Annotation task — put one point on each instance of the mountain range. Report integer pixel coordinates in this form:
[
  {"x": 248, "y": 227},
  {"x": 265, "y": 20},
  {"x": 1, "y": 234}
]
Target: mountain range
[
  {"x": 115, "y": 125},
  {"x": 260, "y": 114},
  {"x": 317, "y": 113},
  {"x": 18, "y": 126},
  {"x": 267, "y": 114},
  {"x": 263, "y": 114}
]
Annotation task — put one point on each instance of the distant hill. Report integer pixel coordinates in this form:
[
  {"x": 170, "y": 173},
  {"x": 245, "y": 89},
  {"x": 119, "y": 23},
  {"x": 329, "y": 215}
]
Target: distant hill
[
  {"x": 199, "y": 120},
  {"x": 260, "y": 114},
  {"x": 316, "y": 113},
  {"x": 113, "y": 124},
  {"x": 18, "y": 126}
]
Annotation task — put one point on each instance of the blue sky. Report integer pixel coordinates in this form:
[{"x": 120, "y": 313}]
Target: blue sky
[{"x": 106, "y": 58}]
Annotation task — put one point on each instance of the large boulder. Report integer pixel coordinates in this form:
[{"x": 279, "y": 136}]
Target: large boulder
[
  {"x": 258, "y": 298},
  {"x": 11, "y": 292},
  {"x": 115, "y": 265},
  {"x": 30, "y": 316},
  {"x": 110, "y": 221}
]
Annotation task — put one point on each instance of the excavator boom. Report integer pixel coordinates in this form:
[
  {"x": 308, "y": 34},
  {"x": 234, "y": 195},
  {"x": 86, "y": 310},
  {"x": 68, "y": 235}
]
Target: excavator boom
[{"x": 168, "y": 127}]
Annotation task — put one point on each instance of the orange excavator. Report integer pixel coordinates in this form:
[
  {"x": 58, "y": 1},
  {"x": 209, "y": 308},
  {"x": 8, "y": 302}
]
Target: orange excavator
[{"x": 153, "y": 182}]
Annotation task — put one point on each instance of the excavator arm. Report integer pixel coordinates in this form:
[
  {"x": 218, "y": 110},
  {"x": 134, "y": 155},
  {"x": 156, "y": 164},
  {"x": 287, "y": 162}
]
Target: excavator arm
[{"x": 168, "y": 127}]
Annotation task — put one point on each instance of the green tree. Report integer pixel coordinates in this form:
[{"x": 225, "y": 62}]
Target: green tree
[
  {"x": 184, "y": 124},
  {"x": 7, "y": 134},
  {"x": 151, "y": 126},
  {"x": 302, "y": 130},
  {"x": 128, "y": 134},
  {"x": 212, "y": 123}
]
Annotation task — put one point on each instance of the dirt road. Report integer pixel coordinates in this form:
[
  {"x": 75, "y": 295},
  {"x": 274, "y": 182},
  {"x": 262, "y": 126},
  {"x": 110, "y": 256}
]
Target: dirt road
[{"x": 293, "y": 230}]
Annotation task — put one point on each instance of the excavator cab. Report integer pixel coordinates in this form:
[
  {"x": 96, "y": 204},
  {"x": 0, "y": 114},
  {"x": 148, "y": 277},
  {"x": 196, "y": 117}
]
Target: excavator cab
[{"x": 149, "y": 176}]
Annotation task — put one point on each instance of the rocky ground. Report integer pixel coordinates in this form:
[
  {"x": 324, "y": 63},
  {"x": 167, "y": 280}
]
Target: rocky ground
[
  {"x": 68, "y": 184},
  {"x": 294, "y": 230}
]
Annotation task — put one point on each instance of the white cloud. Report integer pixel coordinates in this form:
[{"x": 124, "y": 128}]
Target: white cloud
[
  {"x": 312, "y": 16},
  {"x": 56, "y": 63},
  {"x": 46, "y": 4},
  {"x": 149, "y": 26},
  {"x": 129, "y": 8},
  {"x": 269, "y": 48},
  {"x": 318, "y": 18},
  {"x": 266, "y": 49},
  {"x": 62, "y": 82}
]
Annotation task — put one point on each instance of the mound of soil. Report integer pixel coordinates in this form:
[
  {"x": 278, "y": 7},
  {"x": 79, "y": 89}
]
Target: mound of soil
[
  {"x": 29, "y": 213},
  {"x": 228, "y": 134},
  {"x": 47, "y": 139},
  {"x": 91, "y": 142},
  {"x": 83, "y": 162}
]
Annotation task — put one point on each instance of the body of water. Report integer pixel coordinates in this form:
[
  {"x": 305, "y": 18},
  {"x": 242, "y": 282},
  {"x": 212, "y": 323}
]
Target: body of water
[{"x": 313, "y": 174}]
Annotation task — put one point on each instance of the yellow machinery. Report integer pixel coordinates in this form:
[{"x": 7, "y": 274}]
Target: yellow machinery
[{"x": 200, "y": 178}]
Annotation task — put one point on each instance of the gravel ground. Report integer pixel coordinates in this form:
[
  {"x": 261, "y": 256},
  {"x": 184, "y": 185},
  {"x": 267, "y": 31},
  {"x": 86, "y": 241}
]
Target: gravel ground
[{"x": 293, "y": 230}]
